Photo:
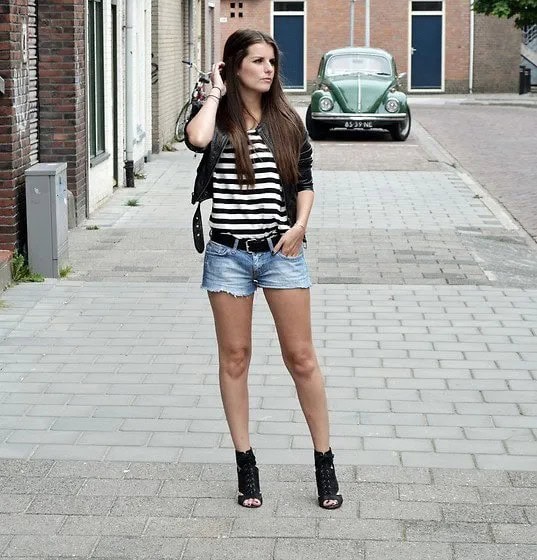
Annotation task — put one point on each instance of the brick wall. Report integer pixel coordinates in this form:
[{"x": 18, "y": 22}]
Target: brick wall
[
  {"x": 328, "y": 27},
  {"x": 15, "y": 113},
  {"x": 497, "y": 55},
  {"x": 62, "y": 85},
  {"x": 169, "y": 90},
  {"x": 255, "y": 15}
]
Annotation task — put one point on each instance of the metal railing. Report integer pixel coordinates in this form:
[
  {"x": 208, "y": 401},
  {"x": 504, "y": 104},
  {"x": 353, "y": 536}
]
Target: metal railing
[{"x": 529, "y": 36}]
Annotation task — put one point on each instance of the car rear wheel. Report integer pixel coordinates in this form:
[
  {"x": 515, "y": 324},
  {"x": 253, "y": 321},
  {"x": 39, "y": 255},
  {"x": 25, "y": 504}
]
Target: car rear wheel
[
  {"x": 400, "y": 131},
  {"x": 316, "y": 130}
]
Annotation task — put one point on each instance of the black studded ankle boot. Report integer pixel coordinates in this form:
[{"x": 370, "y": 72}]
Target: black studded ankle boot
[
  {"x": 248, "y": 475},
  {"x": 327, "y": 485}
]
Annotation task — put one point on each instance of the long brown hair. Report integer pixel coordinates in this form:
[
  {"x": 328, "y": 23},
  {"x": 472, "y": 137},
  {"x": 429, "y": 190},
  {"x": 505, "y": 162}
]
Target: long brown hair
[{"x": 284, "y": 125}]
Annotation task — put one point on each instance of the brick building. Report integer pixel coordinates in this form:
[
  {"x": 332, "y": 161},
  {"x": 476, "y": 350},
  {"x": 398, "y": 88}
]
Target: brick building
[
  {"x": 442, "y": 46},
  {"x": 182, "y": 30},
  {"x": 94, "y": 83},
  {"x": 42, "y": 112}
]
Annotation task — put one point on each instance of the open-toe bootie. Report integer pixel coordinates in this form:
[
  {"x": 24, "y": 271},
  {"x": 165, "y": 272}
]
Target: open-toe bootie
[
  {"x": 248, "y": 475},
  {"x": 327, "y": 486}
]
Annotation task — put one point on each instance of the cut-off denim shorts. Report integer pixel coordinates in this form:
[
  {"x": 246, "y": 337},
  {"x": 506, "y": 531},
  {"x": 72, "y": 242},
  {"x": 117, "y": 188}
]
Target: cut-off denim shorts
[{"x": 240, "y": 273}]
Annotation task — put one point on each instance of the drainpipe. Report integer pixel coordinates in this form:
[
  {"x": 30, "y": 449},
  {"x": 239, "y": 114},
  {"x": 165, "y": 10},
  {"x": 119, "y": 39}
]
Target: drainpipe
[
  {"x": 87, "y": 121},
  {"x": 472, "y": 48},
  {"x": 191, "y": 49},
  {"x": 129, "y": 93},
  {"x": 351, "y": 43},
  {"x": 367, "y": 23}
]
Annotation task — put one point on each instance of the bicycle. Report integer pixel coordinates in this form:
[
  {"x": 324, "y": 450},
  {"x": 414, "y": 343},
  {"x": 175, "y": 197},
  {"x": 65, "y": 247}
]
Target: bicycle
[{"x": 197, "y": 97}]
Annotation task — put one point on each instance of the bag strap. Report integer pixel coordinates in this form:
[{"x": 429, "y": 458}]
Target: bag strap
[{"x": 197, "y": 230}]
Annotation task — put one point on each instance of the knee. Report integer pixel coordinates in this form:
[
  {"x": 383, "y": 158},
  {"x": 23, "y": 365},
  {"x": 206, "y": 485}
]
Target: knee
[
  {"x": 301, "y": 362},
  {"x": 234, "y": 361}
]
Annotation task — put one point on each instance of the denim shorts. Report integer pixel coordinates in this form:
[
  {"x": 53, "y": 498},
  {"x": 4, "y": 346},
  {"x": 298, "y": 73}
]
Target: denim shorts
[{"x": 240, "y": 273}]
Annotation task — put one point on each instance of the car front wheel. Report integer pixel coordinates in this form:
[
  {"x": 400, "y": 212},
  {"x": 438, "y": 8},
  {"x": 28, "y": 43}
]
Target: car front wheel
[
  {"x": 316, "y": 130},
  {"x": 400, "y": 131}
]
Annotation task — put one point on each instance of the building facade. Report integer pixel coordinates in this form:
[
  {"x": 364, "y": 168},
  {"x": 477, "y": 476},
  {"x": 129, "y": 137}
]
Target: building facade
[
  {"x": 42, "y": 103},
  {"x": 442, "y": 46},
  {"x": 94, "y": 83},
  {"x": 184, "y": 30}
]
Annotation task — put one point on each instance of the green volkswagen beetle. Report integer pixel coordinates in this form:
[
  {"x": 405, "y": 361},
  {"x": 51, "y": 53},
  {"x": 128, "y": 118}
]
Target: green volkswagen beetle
[{"x": 358, "y": 88}]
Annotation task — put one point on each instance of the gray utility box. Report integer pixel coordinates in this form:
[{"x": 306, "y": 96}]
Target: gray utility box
[{"x": 46, "y": 215}]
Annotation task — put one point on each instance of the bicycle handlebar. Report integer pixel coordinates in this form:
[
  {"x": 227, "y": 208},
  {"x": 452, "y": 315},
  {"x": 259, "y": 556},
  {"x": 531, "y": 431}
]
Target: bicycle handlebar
[{"x": 193, "y": 65}]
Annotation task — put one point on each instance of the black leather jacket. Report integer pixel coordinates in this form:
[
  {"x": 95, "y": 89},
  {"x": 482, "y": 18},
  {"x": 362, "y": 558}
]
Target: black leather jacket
[{"x": 211, "y": 155}]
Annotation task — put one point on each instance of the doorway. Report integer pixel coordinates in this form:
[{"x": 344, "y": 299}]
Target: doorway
[
  {"x": 289, "y": 32},
  {"x": 427, "y": 46}
]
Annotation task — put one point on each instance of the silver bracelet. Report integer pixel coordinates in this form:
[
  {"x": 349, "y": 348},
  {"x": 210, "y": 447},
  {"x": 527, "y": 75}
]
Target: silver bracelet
[{"x": 300, "y": 225}]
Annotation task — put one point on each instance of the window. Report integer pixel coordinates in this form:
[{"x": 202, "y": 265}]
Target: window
[
  {"x": 235, "y": 9},
  {"x": 96, "y": 77},
  {"x": 288, "y": 6},
  {"x": 344, "y": 65},
  {"x": 426, "y": 6}
]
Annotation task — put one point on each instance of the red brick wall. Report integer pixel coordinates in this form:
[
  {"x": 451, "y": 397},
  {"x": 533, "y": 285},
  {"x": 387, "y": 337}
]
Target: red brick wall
[
  {"x": 62, "y": 87},
  {"x": 255, "y": 15},
  {"x": 61, "y": 95},
  {"x": 497, "y": 55},
  {"x": 15, "y": 145},
  {"x": 328, "y": 27},
  {"x": 457, "y": 46}
]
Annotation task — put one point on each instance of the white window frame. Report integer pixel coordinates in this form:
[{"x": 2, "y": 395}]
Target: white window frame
[
  {"x": 305, "y": 61},
  {"x": 442, "y": 13}
]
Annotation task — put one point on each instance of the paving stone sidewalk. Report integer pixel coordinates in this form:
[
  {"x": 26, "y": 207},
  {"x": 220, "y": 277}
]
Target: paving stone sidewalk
[
  {"x": 82, "y": 510},
  {"x": 416, "y": 375},
  {"x": 113, "y": 442}
]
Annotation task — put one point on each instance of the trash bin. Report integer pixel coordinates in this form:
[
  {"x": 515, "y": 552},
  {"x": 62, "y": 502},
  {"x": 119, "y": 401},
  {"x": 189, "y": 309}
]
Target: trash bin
[
  {"x": 46, "y": 217},
  {"x": 524, "y": 80},
  {"x": 527, "y": 79}
]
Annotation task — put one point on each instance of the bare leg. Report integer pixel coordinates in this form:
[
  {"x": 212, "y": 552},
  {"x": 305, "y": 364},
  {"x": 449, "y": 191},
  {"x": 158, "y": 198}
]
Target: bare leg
[
  {"x": 233, "y": 324},
  {"x": 291, "y": 312}
]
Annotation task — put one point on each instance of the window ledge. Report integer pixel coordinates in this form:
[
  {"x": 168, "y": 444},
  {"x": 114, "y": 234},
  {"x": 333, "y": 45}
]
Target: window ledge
[{"x": 99, "y": 159}]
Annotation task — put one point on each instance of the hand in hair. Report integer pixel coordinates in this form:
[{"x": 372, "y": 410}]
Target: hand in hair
[{"x": 216, "y": 77}]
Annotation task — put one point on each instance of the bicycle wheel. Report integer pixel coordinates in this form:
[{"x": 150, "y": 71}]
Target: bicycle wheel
[{"x": 181, "y": 121}]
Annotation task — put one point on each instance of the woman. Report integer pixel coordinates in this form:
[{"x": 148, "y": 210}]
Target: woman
[{"x": 257, "y": 169}]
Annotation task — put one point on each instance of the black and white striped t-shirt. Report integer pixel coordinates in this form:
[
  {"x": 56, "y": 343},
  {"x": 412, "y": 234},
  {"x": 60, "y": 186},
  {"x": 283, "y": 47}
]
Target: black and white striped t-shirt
[{"x": 248, "y": 212}]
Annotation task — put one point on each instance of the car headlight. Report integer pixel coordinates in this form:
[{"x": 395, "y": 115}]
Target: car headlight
[
  {"x": 326, "y": 104},
  {"x": 392, "y": 105}
]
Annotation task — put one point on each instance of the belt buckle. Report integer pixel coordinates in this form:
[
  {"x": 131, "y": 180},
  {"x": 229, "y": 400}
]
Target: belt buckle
[{"x": 247, "y": 243}]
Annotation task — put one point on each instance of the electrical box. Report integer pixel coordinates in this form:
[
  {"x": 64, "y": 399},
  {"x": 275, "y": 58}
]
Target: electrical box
[{"x": 46, "y": 215}]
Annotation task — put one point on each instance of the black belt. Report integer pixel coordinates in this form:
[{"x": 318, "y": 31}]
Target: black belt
[{"x": 249, "y": 245}]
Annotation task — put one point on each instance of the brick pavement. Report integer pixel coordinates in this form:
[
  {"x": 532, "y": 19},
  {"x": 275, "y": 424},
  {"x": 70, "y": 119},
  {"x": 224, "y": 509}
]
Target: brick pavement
[
  {"x": 97, "y": 371},
  {"x": 425, "y": 317},
  {"x": 53, "y": 509},
  {"x": 497, "y": 145}
]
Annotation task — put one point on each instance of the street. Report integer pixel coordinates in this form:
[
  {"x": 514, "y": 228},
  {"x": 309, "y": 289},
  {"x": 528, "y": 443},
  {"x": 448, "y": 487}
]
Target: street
[
  {"x": 113, "y": 442},
  {"x": 497, "y": 145}
]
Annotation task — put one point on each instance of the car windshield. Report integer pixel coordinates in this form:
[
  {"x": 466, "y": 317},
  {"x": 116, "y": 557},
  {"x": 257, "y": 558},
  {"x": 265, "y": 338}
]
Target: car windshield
[{"x": 341, "y": 65}]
